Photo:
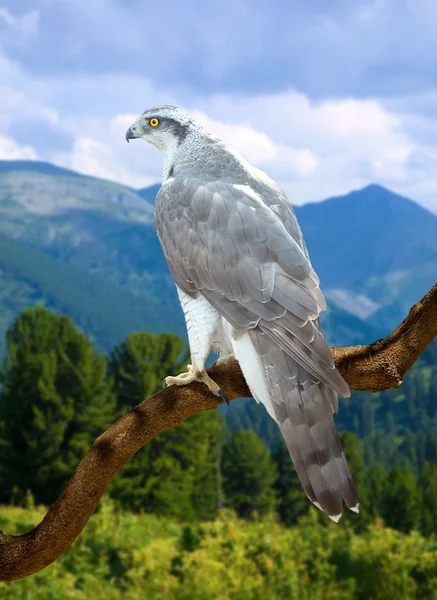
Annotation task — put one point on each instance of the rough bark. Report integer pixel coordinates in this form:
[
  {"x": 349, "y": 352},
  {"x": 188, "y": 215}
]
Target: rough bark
[{"x": 378, "y": 366}]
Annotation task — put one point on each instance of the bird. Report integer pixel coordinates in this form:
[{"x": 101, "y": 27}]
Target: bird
[{"x": 249, "y": 292}]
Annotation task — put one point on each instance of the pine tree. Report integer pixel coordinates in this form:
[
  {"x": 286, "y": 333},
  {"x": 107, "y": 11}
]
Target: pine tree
[
  {"x": 367, "y": 405},
  {"x": 401, "y": 503},
  {"x": 431, "y": 446},
  {"x": 176, "y": 474},
  {"x": 249, "y": 475},
  {"x": 432, "y": 392},
  {"x": 428, "y": 487},
  {"x": 55, "y": 401},
  {"x": 420, "y": 441},
  {"x": 140, "y": 363},
  {"x": 409, "y": 451},
  {"x": 292, "y": 501},
  {"x": 353, "y": 450},
  {"x": 377, "y": 482}
]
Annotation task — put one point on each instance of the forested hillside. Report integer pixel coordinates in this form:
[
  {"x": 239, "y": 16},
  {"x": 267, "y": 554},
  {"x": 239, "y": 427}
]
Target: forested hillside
[
  {"x": 29, "y": 276},
  {"x": 375, "y": 253},
  {"x": 54, "y": 381},
  {"x": 396, "y": 425}
]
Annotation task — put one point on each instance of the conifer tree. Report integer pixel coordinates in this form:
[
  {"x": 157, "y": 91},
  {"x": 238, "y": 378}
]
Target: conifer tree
[
  {"x": 401, "y": 503},
  {"x": 54, "y": 402},
  {"x": 352, "y": 447},
  {"x": 176, "y": 474},
  {"x": 376, "y": 491},
  {"x": 139, "y": 364},
  {"x": 292, "y": 502},
  {"x": 249, "y": 475},
  {"x": 428, "y": 488},
  {"x": 431, "y": 445}
]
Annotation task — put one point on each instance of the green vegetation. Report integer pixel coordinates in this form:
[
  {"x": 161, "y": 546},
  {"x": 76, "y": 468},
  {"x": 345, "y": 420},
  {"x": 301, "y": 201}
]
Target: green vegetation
[
  {"x": 145, "y": 556},
  {"x": 106, "y": 256},
  {"x": 59, "y": 394},
  {"x": 249, "y": 475},
  {"x": 203, "y": 512},
  {"x": 56, "y": 399},
  {"x": 396, "y": 426},
  {"x": 29, "y": 276}
]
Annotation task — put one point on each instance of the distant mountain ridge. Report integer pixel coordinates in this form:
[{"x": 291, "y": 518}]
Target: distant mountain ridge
[
  {"x": 36, "y": 166},
  {"x": 29, "y": 276},
  {"x": 374, "y": 244},
  {"x": 399, "y": 233},
  {"x": 374, "y": 251}
]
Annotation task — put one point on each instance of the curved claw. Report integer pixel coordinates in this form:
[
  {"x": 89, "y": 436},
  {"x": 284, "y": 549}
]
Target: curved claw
[{"x": 223, "y": 395}]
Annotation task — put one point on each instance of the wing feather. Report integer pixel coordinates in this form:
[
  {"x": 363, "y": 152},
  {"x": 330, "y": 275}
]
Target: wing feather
[
  {"x": 224, "y": 241},
  {"x": 244, "y": 252}
]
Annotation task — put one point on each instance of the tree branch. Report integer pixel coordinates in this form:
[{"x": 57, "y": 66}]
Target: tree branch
[
  {"x": 378, "y": 366},
  {"x": 383, "y": 364}
]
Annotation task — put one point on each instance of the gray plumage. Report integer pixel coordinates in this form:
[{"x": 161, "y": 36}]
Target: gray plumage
[{"x": 229, "y": 235}]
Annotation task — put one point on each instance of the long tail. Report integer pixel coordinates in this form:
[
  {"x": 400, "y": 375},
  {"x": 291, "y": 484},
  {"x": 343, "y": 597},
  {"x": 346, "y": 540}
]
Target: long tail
[{"x": 303, "y": 410}]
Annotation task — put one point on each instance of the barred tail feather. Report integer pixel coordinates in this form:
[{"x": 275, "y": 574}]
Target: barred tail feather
[{"x": 303, "y": 409}]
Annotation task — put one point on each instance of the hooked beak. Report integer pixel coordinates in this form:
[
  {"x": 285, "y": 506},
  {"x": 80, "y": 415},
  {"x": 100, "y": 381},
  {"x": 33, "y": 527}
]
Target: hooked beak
[{"x": 130, "y": 135}]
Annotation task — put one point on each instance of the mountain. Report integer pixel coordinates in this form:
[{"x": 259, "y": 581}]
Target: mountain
[
  {"x": 87, "y": 247},
  {"x": 35, "y": 166},
  {"x": 61, "y": 231},
  {"x": 92, "y": 224},
  {"x": 375, "y": 252},
  {"x": 149, "y": 193},
  {"x": 29, "y": 276}
]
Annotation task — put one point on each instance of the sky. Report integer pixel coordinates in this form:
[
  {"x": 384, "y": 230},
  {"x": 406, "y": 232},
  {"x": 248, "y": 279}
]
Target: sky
[{"x": 325, "y": 97}]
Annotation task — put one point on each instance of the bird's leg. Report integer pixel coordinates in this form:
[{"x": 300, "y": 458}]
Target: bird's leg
[
  {"x": 223, "y": 360},
  {"x": 193, "y": 374}
]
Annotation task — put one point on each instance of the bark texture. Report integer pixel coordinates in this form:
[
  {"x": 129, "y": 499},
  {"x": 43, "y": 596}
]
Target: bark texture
[{"x": 378, "y": 366}]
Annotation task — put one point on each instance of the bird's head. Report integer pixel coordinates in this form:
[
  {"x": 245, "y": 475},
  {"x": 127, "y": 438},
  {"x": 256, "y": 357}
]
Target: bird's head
[{"x": 166, "y": 127}]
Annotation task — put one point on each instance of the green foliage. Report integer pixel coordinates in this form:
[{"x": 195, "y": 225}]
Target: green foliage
[
  {"x": 30, "y": 276},
  {"x": 140, "y": 363},
  {"x": 249, "y": 474},
  {"x": 377, "y": 485},
  {"x": 55, "y": 401},
  {"x": 292, "y": 502},
  {"x": 177, "y": 474},
  {"x": 401, "y": 507},
  {"x": 120, "y": 555},
  {"x": 428, "y": 491},
  {"x": 396, "y": 426}
]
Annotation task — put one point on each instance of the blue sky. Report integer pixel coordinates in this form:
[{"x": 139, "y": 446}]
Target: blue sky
[{"x": 324, "y": 96}]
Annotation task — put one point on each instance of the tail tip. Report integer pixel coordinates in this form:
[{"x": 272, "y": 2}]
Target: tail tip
[
  {"x": 335, "y": 518},
  {"x": 356, "y": 508}
]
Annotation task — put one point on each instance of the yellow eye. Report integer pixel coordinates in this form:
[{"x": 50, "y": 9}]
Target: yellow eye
[{"x": 154, "y": 122}]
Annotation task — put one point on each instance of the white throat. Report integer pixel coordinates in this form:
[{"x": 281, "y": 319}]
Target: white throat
[
  {"x": 173, "y": 150},
  {"x": 169, "y": 153}
]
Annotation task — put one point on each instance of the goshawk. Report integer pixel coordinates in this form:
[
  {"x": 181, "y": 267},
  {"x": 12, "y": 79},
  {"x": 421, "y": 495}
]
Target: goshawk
[{"x": 248, "y": 290}]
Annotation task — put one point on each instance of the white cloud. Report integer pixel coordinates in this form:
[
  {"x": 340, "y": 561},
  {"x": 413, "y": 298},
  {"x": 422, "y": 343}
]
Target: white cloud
[
  {"x": 97, "y": 158},
  {"x": 258, "y": 148},
  {"x": 351, "y": 142},
  {"x": 10, "y": 150},
  {"x": 313, "y": 149}
]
